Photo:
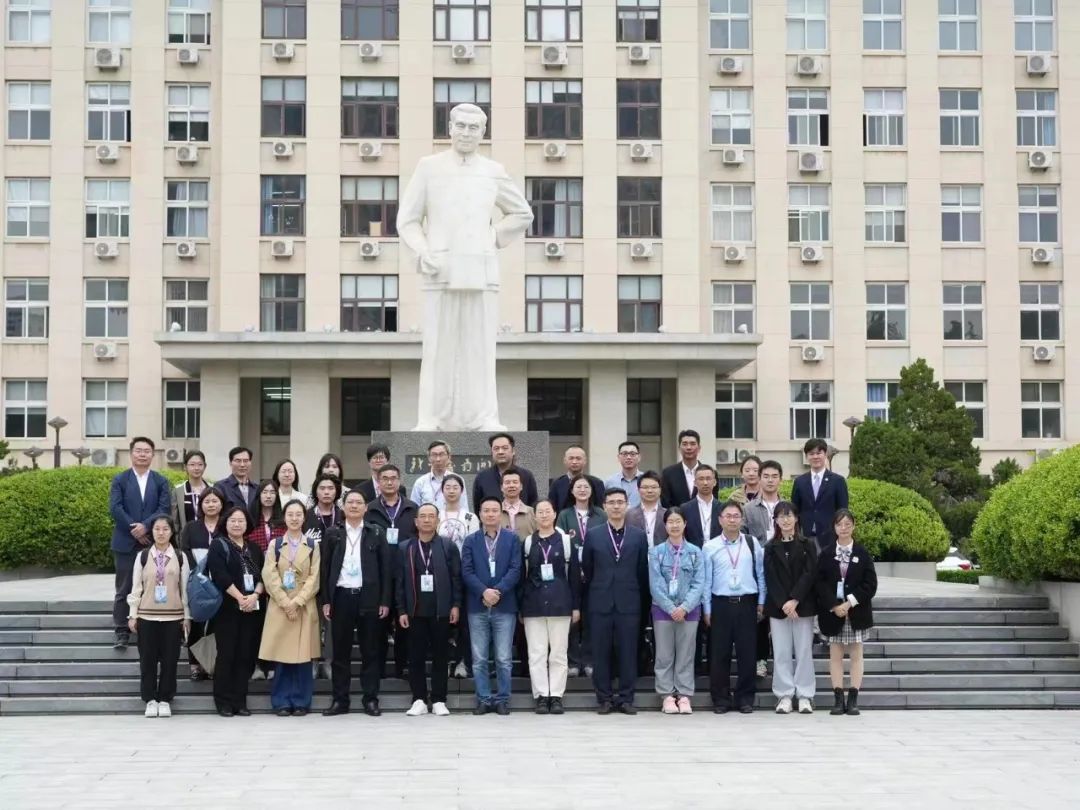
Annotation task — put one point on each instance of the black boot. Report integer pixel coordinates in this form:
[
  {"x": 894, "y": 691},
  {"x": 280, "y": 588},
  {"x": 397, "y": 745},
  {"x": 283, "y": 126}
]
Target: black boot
[
  {"x": 838, "y": 707},
  {"x": 852, "y": 702}
]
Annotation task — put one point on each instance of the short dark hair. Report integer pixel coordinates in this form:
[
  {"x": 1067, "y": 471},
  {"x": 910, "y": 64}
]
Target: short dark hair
[
  {"x": 629, "y": 443},
  {"x": 438, "y": 443},
  {"x": 144, "y": 440},
  {"x": 512, "y": 471},
  {"x": 229, "y": 511},
  {"x": 376, "y": 449},
  {"x": 786, "y": 508},
  {"x": 772, "y": 464},
  {"x": 728, "y": 503},
  {"x": 296, "y": 501},
  {"x": 841, "y": 514},
  {"x": 587, "y": 480},
  {"x": 652, "y": 475},
  {"x": 507, "y": 436},
  {"x": 615, "y": 491},
  {"x": 705, "y": 468},
  {"x": 190, "y": 454},
  {"x": 427, "y": 503},
  {"x": 676, "y": 511},
  {"x": 217, "y": 493},
  {"x": 355, "y": 491},
  {"x": 747, "y": 460},
  {"x": 234, "y": 452},
  {"x": 691, "y": 434},
  {"x": 389, "y": 468},
  {"x": 815, "y": 444},
  {"x": 333, "y": 479},
  {"x": 452, "y": 477},
  {"x": 491, "y": 499},
  {"x": 168, "y": 521}
]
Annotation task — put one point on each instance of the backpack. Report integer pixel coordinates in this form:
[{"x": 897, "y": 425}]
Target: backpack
[
  {"x": 204, "y": 597},
  {"x": 280, "y": 541},
  {"x": 565, "y": 547}
]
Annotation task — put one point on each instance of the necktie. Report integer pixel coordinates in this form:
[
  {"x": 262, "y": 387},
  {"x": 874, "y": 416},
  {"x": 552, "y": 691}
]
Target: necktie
[{"x": 817, "y": 483}]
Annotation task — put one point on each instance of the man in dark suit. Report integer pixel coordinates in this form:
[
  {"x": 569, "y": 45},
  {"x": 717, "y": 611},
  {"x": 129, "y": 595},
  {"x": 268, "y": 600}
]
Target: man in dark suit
[
  {"x": 574, "y": 459},
  {"x": 702, "y": 513},
  {"x": 650, "y": 517},
  {"x": 818, "y": 494},
  {"x": 238, "y": 487},
  {"x": 615, "y": 566},
  {"x": 488, "y": 483},
  {"x": 677, "y": 481},
  {"x": 378, "y": 456},
  {"x": 135, "y": 496}
]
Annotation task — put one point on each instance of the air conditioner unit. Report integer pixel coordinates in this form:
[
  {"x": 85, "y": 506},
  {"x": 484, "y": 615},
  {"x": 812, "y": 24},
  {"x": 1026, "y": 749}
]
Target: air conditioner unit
[
  {"x": 463, "y": 52},
  {"x": 734, "y": 254},
  {"x": 105, "y": 351},
  {"x": 107, "y": 58},
  {"x": 554, "y": 150},
  {"x": 187, "y": 56},
  {"x": 370, "y": 150},
  {"x": 282, "y": 149},
  {"x": 1037, "y": 64},
  {"x": 639, "y": 53},
  {"x": 733, "y": 156},
  {"x": 743, "y": 453},
  {"x": 641, "y": 250},
  {"x": 185, "y": 250},
  {"x": 281, "y": 248},
  {"x": 730, "y": 65},
  {"x": 812, "y": 253},
  {"x": 1043, "y": 352},
  {"x": 1040, "y": 159},
  {"x": 808, "y": 65},
  {"x": 174, "y": 455},
  {"x": 811, "y": 162},
  {"x": 553, "y": 55},
  {"x": 1042, "y": 255},
  {"x": 187, "y": 154},
  {"x": 283, "y": 51},
  {"x": 107, "y": 152},
  {"x": 370, "y": 51},
  {"x": 813, "y": 353},
  {"x": 554, "y": 250},
  {"x": 641, "y": 150},
  {"x": 725, "y": 456},
  {"x": 370, "y": 248},
  {"x": 106, "y": 249},
  {"x": 103, "y": 457}
]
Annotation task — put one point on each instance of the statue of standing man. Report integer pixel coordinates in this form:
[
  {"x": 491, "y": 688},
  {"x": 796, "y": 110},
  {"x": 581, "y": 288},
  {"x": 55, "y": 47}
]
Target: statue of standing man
[{"x": 445, "y": 217}]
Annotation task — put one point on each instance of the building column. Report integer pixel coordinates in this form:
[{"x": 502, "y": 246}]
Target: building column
[
  {"x": 404, "y": 394},
  {"x": 607, "y": 417},
  {"x": 512, "y": 381},
  {"x": 309, "y": 432},
  {"x": 696, "y": 405},
  {"x": 220, "y": 416}
]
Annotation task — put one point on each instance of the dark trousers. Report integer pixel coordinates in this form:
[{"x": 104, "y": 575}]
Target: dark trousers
[
  {"x": 237, "y": 635},
  {"x": 762, "y": 641},
  {"x": 350, "y": 620},
  {"x": 427, "y": 633},
  {"x": 462, "y": 651},
  {"x": 734, "y": 623},
  {"x": 293, "y": 686},
  {"x": 159, "y": 650},
  {"x": 579, "y": 651},
  {"x": 618, "y": 633},
  {"x": 198, "y": 630},
  {"x": 124, "y": 562}
]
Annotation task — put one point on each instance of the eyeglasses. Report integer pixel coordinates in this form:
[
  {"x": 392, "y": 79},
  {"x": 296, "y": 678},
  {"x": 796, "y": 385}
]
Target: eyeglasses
[{"x": 629, "y": 453}]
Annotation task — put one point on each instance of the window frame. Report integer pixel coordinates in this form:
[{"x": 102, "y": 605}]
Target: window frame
[
  {"x": 874, "y": 411},
  {"x": 733, "y": 24},
  {"x": 647, "y": 115},
  {"x": 959, "y": 208},
  {"x": 190, "y": 114},
  {"x": 561, "y": 208},
  {"x": 32, "y": 10},
  {"x": 29, "y": 109},
  {"x": 1043, "y": 120},
  {"x": 955, "y": 20},
  {"x": 190, "y": 206},
  {"x": 273, "y": 312},
  {"x": 114, "y": 211},
  {"x": 535, "y": 16},
  {"x": 810, "y": 22},
  {"x": 1042, "y": 407},
  {"x": 186, "y": 305},
  {"x": 556, "y": 404},
  {"x": 114, "y": 11},
  {"x": 1045, "y": 316},
  {"x": 110, "y": 307},
  {"x": 644, "y": 406},
  {"x": 810, "y": 406},
  {"x": 960, "y": 114},
  {"x": 353, "y": 224},
  {"x": 27, "y": 204},
  {"x": 188, "y": 409},
  {"x": 738, "y": 216},
  {"x": 270, "y": 10},
  {"x": 812, "y": 217},
  {"x": 1045, "y": 218},
  {"x": 887, "y": 217},
  {"x": 32, "y": 409},
  {"x": 884, "y": 128},
  {"x": 964, "y": 310},
  {"x": 351, "y": 19},
  {"x": 285, "y": 108},
  {"x": 278, "y": 207},
  {"x": 386, "y": 107},
  {"x": 365, "y": 393},
  {"x": 538, "y": 303},
  {"x": 637, "y": 217},
  {"x": 643, "y": 14},
  {"x": 1035, "y": 21},
  {"x": 111, "y": 113},
  {"x": 443, "y": 17},
  {"x": 975, "y": 407},
  {"x": 441, "y": 111},
  {"x": 633, "y": 311},
  {"x": 388, "y": 303},
  {"x": 807, "y": 308},
  {"x": 735, "y": 406},
  {"x": 806, "y": 125},
  {"x": 741, "y": 312},
  {"x": 26, "y": 306},
  {"x": 723, "y": 106},
  {"x": 185, "y": 11},
  {"x": 536, "y": 111},
  {"x": 281, "y": 403},
  {"x": 883, "y": 21},
  {"x": 886, "y": 310}
]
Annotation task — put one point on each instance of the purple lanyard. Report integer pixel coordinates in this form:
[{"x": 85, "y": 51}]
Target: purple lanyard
[
  {"x": 676, "y": 552},
  {"x": 161, "y": 562},
  {"x": 333, "y": 517},
  {"x": 491, "y": 546},
  {"x": 617, "y": 547},
  {"x": 545, "y": 549},
  {"x": 583, "y": 522},
  {"x": 392, "y": 517},
  {"x": 294, "y": 549},
  {"x": 425, "y": 560}
]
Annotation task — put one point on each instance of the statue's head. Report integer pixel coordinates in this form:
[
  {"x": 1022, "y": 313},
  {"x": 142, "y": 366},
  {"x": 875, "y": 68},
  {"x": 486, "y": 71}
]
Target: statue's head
[{"x": 468, "y": 123}]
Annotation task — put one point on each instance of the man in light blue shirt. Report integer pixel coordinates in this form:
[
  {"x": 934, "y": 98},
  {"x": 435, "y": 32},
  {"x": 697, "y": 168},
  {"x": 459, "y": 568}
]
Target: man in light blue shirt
[
  {"x": 629, "y": 476},
  {"x": 735, "y": 578},
  {"x": 428, "y": 487}
]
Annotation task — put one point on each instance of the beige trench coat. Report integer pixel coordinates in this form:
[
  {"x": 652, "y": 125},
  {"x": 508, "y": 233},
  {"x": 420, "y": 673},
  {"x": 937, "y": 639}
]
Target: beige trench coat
[{"x": 291, "y": 641}]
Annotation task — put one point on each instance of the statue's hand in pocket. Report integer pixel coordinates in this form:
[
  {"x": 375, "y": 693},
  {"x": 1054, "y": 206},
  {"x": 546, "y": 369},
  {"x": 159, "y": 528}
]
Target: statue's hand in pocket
[{"x": 432, "y": 264}]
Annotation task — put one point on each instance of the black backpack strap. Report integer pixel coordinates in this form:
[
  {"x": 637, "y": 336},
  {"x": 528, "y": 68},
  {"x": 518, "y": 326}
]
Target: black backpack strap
[
  {"x": 753, "y": 558},
  {"x": 144, "y": 556}
]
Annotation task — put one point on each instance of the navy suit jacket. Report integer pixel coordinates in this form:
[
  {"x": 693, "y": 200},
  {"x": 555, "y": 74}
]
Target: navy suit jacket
[
  {"x": 231, "y": 488},
  {"x": 127, "y": 506},
  {"x": 476, "y": 575},
  {"x": 488, "y": 484},
  {"x": 696, "y": 533},
  {"x": 816, "y": 514},
  {"x": 620, "y": 586}
]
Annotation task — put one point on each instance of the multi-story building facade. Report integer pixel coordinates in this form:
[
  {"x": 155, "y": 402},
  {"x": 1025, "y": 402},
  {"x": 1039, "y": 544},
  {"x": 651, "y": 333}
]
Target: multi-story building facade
[{"x": 750, "y": 215}]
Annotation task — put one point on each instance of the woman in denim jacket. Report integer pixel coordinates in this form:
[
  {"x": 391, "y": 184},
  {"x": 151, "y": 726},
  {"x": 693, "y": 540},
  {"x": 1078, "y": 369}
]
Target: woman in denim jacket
[{"x": 677, "y": 583}]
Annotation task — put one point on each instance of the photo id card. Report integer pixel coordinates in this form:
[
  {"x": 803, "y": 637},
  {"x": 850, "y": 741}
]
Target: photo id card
[
  {"x": 160, "y": 594},
  {"x": 547, "y": 572},
  {"x": 734, "y": 581},
  {"x": 249, "y": 583},
  {"x": 840, "y": 590},
  {"x": 288, "y": 580},
  {"x": 491, "y": 567},
  {"x": 427, "y": 583},
  {"x": 391, "y": 536},
  {"x": 673, "y": 587}
]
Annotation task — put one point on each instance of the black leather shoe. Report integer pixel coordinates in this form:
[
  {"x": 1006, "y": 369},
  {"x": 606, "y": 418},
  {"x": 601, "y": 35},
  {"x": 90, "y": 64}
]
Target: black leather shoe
[
  {"x": 542, "y": 706},
  {"x": 225, "y": 712},
  {"x": 243, "y": 713},
  {"x": 122, "y": 641},
  {"x": 627, "y": 708},
  {"x": 335, "y": 708},
  {"x": 299, "y": 712},
  {"x": 555, "y": 706},
  {"x": 371, "y": 708},
  {"x": 502, "y": 708},
  {"x": 852, "y": 702},
  {"x": 481, "y": 708},
  {"x": 605, "y": 708},
  {"x": 746, "y": 708},
  {"x": 721, "y": 709},
  {"x": 284, "y": 711}
]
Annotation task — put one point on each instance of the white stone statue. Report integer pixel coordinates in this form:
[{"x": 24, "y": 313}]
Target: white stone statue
[{"x": 446, "y": 218}]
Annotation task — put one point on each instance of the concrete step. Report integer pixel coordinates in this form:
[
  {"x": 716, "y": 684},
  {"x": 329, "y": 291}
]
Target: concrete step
[
  {"x": 951, "y": 617},
  {"x": 957, "y": 633},
  {"x": 102, "y": 606},
  {"x": 981, "y": 601},
  {"x": 949, "y": 649},
  {"x": 58, "y": 621}
]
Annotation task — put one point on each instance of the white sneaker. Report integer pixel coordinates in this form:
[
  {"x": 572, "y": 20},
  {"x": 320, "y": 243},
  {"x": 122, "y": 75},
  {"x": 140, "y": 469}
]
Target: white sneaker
[
  {"x": 461, "y": 671},
  {"x": 572, "y": 672},
  {"x": 418, "y": 708},
  {"x": 151, "y": 709},
  {"x": 163, "y": 710},
  {"x": 784, "y": 706},
  {"x": 806, "y": 706},
  {"x": 440, "y": 710},
  {"x": 258, "y": 675},
  {"x": 762, "y": 669},
  {"x": 588, "y": 672}
]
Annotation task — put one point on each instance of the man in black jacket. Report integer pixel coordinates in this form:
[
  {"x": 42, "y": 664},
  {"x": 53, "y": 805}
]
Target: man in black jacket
[
  {"x": 488, "y": 483},
  {"x": 574, "y": 460}
]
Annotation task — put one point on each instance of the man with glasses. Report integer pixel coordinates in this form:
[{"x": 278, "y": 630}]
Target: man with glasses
[
  {"x": 428, "y": 488},
  {"x": 628, "y": 478}
]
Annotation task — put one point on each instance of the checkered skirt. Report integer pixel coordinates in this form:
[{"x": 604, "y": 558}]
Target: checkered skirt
[{"x": 848, "y": 635}]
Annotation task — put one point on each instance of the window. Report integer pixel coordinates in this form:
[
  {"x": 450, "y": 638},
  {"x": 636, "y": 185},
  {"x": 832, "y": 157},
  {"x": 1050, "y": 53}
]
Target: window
[
  {"x": 108, "y": 209},
  {"x": 25, "y": 402},
  {"x": 1033, "y": 25},
  {"x": 110, "y": 22},
  {"x": 640, "y": 304},
  {"x": 732, "y": 212},
  {"x": 729, "y": 25},
  {"x": 29, "y": 111},
  {"x": 186, "y": 304},
  {"x": 284, "y": 19},
  {"x": 187, "y": 209},
  {"x": 886, "y": 311},
  {"x": 27, "y": 207},
  {"x": 958, "y": 25},
  {"x": 811, "y": 410},
  {"x": 883, "y": 118},
  {"x": 1038, "y": 214},
  {"x": 26, "y": 308},
  {"x": 808, "y": 117},
  {"x": 182, "y": 409},
  {"x": 189, "y": 22},
  {"x": 1036, "y": 117},
  {"x": 369, "y": 108},
  {"x": 886, "y": 213},
  {"x": 463, "y": 20},
  {"x": 283, "y": 198},
  {"x": 556, "y": 406},
  {"x": 963, "y": 311},
  {"x": 552, "y": 303},
  {"x": 281, "y": 300},
  {"x": 811, "y": 311},
  {"x": 883, "y": 25},
  {"x": 734, "y": 410},
  {"x": 807, "y": 25},
  {"x": 276, "y": 410},
  {"x": 553, "y": 109},
  {"x": 732, "y": 308},
  {"x": 106, "y": 308},
  {"x": 189, "y": 112},
  {"x": 369, "y": 303},
  {"x": 365, "y": 406},
  {"x": 451, "y": 92},
  {"x": 550, "y": 20},
  {"x": 1040, "y": 410},
  {"x": 637, "y": 21},
  {"x": 284, "y": 102},
  {"x": 731, "y": 116},
  {"x": 971, "y": 396},
  {"x": 638, "y": 103},
  {"x": 108, "y": 111},
  {"x": 370, "y": 19},
  {"x": 808, "y": 213},
  {"x": 961, "y": 214},
  {"x": 643, "y": 406},
  {"x": 639, "y": 206},
  {"x": 960, "y": 117},
  {"x": 369, "y": 206},
  {"x": 556, "y": 205},
  {"x": 29, "y": 21},
  {"x": 1040, "y": 311},
  {"x": 878, "y": 397}
]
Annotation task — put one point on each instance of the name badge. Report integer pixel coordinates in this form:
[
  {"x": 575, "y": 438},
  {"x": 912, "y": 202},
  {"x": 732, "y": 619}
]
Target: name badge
[
  {"x": 491, "y": 567},
  {"x": 160, "y": 594},
  {"x": 352, "y": 569},
  {"x": 580, "y": 552},
  {"x": 391, "y": 536},
  {"x": 673, "y": 587},
  {"x": 547, "y": 572},
  {"x": 288, "y": 580},
  {"x": 734, "y": 581},
  {"x": 840, "y": 590},
  {"x": 427, "y": 583},
  {"x": 249, "y": 583}
]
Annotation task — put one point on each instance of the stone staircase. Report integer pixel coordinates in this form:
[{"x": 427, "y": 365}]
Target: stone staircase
[{"x": 947, "y": 652}]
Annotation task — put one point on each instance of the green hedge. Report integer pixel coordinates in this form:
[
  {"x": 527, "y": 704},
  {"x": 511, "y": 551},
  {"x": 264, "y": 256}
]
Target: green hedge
[
  {"x": 894, "y": 523},
  {"x": 58, "y": 518},
  {"x": 961, "y": 576},
  {"x": 1029, "y": 528}
]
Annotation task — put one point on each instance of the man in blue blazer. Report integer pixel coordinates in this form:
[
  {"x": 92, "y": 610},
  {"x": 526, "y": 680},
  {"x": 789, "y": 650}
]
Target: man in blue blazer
[
  {"x": 818, "y": 494},
  {"x": 616, "y": 569},
  {"x": 238, "y": 487},
  {"x": 135, "y": 496},
  {"x": 491, "y": 562},
  {"x": 704, "y": 506}
]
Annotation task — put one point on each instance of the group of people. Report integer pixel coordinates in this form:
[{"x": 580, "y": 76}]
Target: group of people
[{"x": 603, "y": 578}]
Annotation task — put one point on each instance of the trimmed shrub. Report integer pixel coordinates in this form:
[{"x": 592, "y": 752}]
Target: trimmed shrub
[
  {"x": 960, "y": 517},
  {"x": 58, "y": 518},
  {"x": 957, "y": 575},
  {"x": 1030, "y": 527}
]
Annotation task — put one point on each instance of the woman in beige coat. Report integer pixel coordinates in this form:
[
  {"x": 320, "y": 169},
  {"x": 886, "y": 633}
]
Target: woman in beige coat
[{"x": 291, "y": 633}]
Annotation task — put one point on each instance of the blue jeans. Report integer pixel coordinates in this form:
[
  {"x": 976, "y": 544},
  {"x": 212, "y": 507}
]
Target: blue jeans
[
  {"x": 486, "y": 626},
  {"x": 292, "y": 687}
]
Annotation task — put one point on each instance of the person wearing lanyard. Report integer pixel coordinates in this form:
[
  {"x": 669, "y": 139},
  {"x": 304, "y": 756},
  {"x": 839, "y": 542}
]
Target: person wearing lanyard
[
  {"x": 186, "y": 496},
  {"x": 455, "y": 524},
  {"x": 735, "y": 603},
  {"x": 517, "y": 515},
  {"x": 428, "y": 488},
  {"x": 616, "y": 569},
  {"x": 195, "y": 540},
  {"x": 758, "y": 521},
  {"x": 325, "y": 513},
  {"x": 575, "y": 521},
  {"x": 235, "y": 567},
  {"x": 491, "y": 570},
  {"x": 703, "y": 511},
  {"x": 429, "y": 596},
  {"x": 650, "y": 516},
  {"x": 846, "y": 584},
  {"x": 267, "y": 517},
  {"x": 629, "y": 476}
]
